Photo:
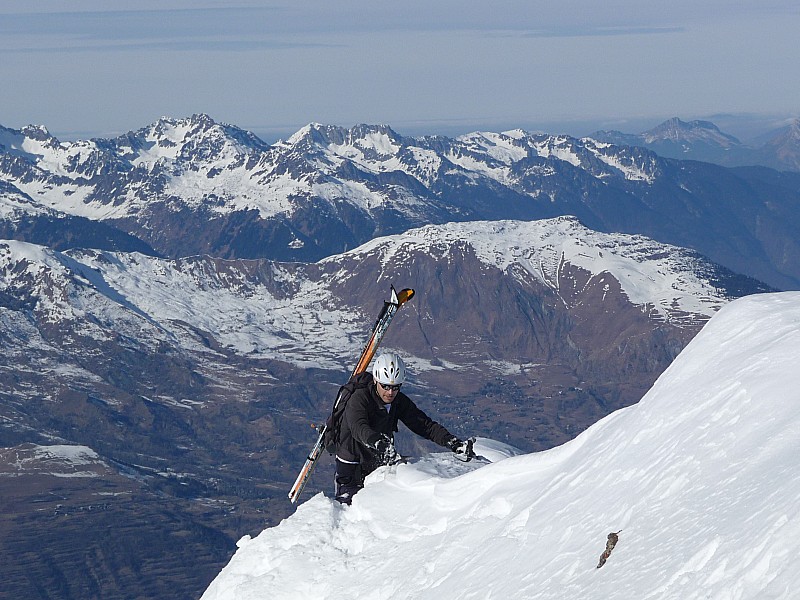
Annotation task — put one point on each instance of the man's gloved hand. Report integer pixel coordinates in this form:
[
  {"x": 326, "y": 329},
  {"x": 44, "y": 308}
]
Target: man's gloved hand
[
  {"x": 385, "y": 450},
  {"x": 462, "y": 450}
]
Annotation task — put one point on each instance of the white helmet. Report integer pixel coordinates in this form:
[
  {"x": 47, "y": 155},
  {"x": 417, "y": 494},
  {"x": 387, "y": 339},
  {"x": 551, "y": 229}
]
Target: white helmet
[{"x": 389, "y": 369}]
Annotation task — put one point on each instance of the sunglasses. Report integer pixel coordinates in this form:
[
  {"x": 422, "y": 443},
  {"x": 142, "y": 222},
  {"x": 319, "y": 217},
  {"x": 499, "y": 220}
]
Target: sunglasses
[{"x": 390, "y": 388}]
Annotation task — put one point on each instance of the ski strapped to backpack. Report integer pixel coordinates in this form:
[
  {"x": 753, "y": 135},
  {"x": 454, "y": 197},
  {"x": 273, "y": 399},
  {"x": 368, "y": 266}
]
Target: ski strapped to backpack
[{"x": 385, "y": 317}]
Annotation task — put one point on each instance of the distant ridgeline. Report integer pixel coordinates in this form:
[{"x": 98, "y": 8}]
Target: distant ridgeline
[{"x": 182, "y": 187}]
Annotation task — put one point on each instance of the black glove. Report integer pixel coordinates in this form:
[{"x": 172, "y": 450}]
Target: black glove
[
  {"x": 462, "y": 450},
  {"x": 385, "y": 451}
]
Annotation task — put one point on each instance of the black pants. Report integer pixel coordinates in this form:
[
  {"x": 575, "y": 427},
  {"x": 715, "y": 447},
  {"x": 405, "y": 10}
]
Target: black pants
[{"x": 348, "y": 481}]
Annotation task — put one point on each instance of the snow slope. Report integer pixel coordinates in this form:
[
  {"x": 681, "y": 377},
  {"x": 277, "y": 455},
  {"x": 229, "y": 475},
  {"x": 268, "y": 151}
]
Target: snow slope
[
  {"x": 701, "y": 477},
  {"x": 58, "y": 460}
]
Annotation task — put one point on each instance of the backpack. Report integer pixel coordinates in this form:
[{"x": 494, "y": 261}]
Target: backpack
[{"x": 334, "y": 423}]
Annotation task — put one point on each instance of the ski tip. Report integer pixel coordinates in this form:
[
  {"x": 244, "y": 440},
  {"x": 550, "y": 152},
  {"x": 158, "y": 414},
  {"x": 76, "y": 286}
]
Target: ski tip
[
  {"x": 402, "y": 296},
  {"x": 405, "y": 295}
]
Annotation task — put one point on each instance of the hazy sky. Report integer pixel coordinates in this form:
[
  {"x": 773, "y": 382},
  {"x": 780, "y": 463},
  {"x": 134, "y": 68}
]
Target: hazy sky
[{"x": 88, "y": 68}]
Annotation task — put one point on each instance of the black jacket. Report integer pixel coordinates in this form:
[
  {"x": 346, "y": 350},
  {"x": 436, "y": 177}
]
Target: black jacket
[{"x": 366, "y": 418}]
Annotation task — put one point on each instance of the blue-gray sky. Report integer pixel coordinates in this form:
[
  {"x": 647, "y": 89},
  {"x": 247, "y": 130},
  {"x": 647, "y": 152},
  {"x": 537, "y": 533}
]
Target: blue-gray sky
[{"x": 86, "y": 68}]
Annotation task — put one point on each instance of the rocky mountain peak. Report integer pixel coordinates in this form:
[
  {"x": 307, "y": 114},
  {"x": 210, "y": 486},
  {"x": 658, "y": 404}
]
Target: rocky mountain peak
[
  {"x": 703, "y": 141},
  {"x": 317, "y": 134},
  {"x": 37, "y": 132},
  {"x": 676, "y": 130},
  {"x": 788, "y": 133},
  {"x": 364, "y": 130},
  {"x": 785, "y": 145},
  {"x": 376, "y": 139},
  {"x": 30, "y": 142},
  {"x": 195, "y": 138}
]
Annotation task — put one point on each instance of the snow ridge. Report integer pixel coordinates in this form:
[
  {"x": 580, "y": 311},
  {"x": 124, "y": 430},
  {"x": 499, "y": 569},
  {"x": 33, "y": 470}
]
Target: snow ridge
[{"x": 700, "y": 479}]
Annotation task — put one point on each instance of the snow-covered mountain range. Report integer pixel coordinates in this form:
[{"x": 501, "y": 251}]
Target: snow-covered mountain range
[
  {"x": 178, "y": 303},
  {"x": 189, "y": 186},
  {"x": 699, "y": 481}
]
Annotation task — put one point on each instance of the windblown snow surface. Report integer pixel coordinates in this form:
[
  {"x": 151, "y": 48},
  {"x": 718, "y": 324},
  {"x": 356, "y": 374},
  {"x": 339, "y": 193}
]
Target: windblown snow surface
[{"x": 701, "y": 479}]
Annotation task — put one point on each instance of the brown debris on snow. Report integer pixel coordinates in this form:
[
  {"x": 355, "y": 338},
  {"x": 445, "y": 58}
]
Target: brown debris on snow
[{"x": 613, "y": 538}]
